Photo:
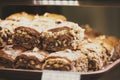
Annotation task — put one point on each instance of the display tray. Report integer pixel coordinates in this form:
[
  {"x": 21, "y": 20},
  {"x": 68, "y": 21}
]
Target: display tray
[{"x": 7, "y": 73}]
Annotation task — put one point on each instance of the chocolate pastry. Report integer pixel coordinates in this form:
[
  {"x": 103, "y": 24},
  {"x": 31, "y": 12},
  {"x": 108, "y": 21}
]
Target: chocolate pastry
[
  {"x": 26, "y": 37},
  {"x": 66, "y": 60},
  {"x": 96, "y": 55},
  {"x": 30, "y": 60},
  {"x": 8, "y": 55},
  {"x": 61, "y": 37}
]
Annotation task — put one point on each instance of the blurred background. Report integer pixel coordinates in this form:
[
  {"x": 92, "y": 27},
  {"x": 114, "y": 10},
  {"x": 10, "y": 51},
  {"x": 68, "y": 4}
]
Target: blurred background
[{"x": 103, "y": 19}]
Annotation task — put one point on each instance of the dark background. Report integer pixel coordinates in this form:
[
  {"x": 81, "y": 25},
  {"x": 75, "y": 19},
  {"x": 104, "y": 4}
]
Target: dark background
[{"x": 103, "y": 19}]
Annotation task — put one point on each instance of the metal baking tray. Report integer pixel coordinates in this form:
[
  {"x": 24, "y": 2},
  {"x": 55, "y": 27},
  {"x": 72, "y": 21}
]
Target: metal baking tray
[{"x": 13, "y": 74}]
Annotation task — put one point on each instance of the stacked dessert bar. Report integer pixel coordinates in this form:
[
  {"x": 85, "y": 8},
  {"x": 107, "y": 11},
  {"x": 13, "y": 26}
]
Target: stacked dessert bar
[{"x": 50, "y": 42}]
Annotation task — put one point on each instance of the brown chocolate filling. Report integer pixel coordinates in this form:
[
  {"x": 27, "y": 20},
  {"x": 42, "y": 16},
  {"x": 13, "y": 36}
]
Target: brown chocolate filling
[{"x": 26, "y": 37}]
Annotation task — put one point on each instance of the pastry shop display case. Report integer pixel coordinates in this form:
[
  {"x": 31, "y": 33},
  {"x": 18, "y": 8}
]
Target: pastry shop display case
[{"x": 60, "y": 39}]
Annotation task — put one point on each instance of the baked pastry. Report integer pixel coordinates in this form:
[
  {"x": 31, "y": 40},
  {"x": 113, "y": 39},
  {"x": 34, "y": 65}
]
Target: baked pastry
[
  {"x": 112, "y": 46},
  {"x": 116, "y": 54},
  {"x": 32, "y": 26},
  {"x": 7, "y": 28},
  {"x": 18, "y": 16},
  {"x": 26, "y": 37},
  {"x": 61, "y": 37},
  {"x": 13, "y": 21},
  {"x": 66, "y": 60},
  {"x": 46, "y": 33},
  {"x": 89, "y": 32},
  {"x": 30, "y": 60},
  {"x": 8, "y": 55},
  {"x": 95, "y": 53},
  {"x": 53, "y": 16},
  {"x": 6, "y": 36},
  {"x": 2, "y": 43},
  {"x": 51, "y": 42},
  {"x": 6, "y": 31}
]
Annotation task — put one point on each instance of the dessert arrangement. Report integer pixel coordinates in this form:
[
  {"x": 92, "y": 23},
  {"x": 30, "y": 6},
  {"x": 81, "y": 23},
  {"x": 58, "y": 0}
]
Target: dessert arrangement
[{"x": 51, "y": 42}]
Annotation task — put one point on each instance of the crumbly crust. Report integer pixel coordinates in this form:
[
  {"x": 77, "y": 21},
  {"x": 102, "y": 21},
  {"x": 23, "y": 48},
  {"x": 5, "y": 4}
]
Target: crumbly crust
[
  {"x": 30, "y": 60},
  {"x": 66, "y": 60}
]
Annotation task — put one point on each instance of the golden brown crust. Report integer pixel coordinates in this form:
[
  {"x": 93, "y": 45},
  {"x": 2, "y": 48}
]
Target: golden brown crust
[
  {"x": 16, "y": 16},
  {"x": 53, "y": 16},
  {"x": 89, "y": 32}
]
